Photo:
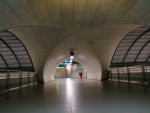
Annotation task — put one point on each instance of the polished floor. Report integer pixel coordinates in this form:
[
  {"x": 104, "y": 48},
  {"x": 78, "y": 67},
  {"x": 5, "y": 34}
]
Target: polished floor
[{"x": 77, "y": 96}]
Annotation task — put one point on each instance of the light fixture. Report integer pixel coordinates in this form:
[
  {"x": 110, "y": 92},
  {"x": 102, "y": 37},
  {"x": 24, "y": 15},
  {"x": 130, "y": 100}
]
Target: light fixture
[
  {"x": 67, "y": 64},
  {"x": 71, "y": 55},
  {"x": 60, "y": 67}
]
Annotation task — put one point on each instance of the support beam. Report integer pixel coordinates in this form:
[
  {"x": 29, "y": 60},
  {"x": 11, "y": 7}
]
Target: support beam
[
  {"x": 111, "y": 73},
  {"x": 4, "y": 61},
  {"x": 11, "y": 51},
  {"x": 118, "y": 74},
  {"x": 143, "y": 74},
  {"x": 8, "y": 80},
  {"x": 28, "y": 78},
  {"x": 34, "y": 77},
  {"x": 128, "y": 71},
  {"x": 20, "y": 79},
  {"x": 141, "y": 50}
]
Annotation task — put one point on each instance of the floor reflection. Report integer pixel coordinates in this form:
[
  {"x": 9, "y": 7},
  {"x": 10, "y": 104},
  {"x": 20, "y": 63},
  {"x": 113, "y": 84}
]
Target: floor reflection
[{"x": 77, "y": 96}]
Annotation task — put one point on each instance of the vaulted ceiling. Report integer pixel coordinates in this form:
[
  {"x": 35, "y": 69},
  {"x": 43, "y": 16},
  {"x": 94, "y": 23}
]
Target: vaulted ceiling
[{"x": 73, "y": 13}]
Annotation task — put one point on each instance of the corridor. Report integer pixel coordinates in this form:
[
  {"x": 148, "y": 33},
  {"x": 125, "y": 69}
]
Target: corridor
[{"x": 77, "y": 96}]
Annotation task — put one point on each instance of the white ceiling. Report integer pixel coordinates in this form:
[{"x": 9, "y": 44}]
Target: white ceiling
[{"x": 73, "y": 14}]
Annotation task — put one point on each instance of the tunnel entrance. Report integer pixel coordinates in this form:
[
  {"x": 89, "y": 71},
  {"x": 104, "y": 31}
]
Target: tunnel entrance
[
  {"x": 80, "y": 51},
  {"x": 70, "y": 70}
]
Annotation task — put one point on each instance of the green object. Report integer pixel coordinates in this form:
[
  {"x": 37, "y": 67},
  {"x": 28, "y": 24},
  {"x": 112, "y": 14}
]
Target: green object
[
  {"x": 65, "y": 63},
  {"x": 61, "y": 67}
]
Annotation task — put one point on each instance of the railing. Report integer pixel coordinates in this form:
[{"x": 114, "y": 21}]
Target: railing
[
  {"x": 16, "y": 79},
  {"x": 132, "y": 74}
]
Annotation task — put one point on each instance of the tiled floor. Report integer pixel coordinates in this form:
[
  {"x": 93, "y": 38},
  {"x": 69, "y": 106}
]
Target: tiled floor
[{"x": 76, "y": 96}]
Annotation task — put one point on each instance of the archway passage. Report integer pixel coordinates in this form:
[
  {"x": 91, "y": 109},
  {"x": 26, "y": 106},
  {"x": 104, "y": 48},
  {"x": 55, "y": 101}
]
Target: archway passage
[
  {"x": 70, "y": 70},
  {"x": 84, "y": 54}
]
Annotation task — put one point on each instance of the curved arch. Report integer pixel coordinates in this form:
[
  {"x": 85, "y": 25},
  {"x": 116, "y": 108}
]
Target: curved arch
[
  {"x": 3, "y": 61},
  {"x": 133, "y": 49},
  {"x": 142, "y": 50},
  {"x": 83, "y": 54},
  {"x": 7, "y": 45},
  {"x": 135, "y": 41},
  {"x": 13, "y": 53}
]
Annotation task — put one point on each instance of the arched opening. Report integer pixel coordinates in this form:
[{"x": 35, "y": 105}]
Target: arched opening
[
  {"x": 73, "y": 70},
  {"x": 84, "y": 55}
]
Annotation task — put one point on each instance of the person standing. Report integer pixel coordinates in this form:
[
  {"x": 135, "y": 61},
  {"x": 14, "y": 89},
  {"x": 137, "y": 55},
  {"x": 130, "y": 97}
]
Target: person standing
[{"x": 80, "y": 74}]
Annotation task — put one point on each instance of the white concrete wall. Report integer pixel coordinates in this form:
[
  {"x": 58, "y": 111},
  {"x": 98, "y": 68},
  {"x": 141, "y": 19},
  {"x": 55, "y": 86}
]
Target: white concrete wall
[{"x": 84, "y": 54}]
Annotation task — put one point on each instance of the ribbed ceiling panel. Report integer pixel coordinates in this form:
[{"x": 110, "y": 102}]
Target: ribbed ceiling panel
[
  {"x": 13, "y": 54},
  {"x": 133, "y": 49}
]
